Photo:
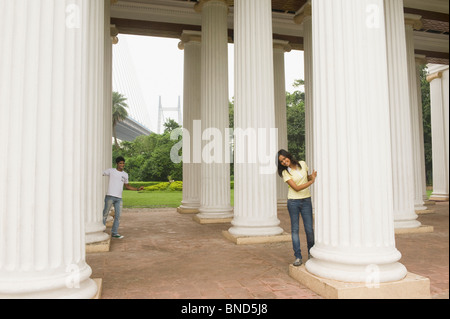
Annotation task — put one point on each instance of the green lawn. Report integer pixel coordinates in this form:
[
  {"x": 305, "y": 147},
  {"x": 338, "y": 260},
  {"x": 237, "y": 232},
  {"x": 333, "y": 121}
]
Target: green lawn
[
  {"x": 151, "y": 199},
  {"x": 158, "y": 199},
  {"x": 155, "y": 199}
]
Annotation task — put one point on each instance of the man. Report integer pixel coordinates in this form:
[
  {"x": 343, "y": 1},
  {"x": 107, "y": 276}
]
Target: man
[{"x": 117, "y": 179}]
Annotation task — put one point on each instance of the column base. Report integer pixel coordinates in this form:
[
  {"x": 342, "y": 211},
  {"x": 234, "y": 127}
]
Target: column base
[
  {"x": 64, "y": 287},
  {"x": 99, "y": 247},
  {"x": 248, "y": 240},
  {"x": 282, "y": 205},
  {"x": 187, "y": 210},
  {"x": 220, "y": 215},
  {"x": 402, "y": 224},
  {"x": 99, "y": 283},
  {"x": 419, "y": 207},
  {"x": 248, "y": 231},
  {"x": 352, "y": 266},
  {"x": 97, "y": 238},
  {"x": 109, "y": 221},
  {"x": 411, "y": 287},
  {"x": 424, "y": 211},
  {"x": 439, "y": 197},
  {"x": 204, "y": 221},
  {"x": 415, "y": 230},
  {"x": 95, "y": 233}
]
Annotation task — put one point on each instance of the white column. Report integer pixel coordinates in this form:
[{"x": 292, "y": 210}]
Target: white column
[
  {"x": 110, "y": 38},
  {"x": 215, "y": 171},
  {"x": 420, "y": 61},
  {"x": 413, "y": 22},
  {"x": 354, "y": 218},
  {"x": 279, "y": 49},
  {"x": 191, "y": 44},
  {"x": 42, "y": 231},
  {"x": 400, "y": 119},
  {"x": 255, "y": 180},
  {"x": 94, "y": 97},
  {"x": 438, "y": 78},
  {"x": 303, "y": 17}
]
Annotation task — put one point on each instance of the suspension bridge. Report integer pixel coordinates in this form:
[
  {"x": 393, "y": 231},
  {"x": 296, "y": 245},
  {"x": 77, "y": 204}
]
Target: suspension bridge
[{"x": 125, "y": 82}]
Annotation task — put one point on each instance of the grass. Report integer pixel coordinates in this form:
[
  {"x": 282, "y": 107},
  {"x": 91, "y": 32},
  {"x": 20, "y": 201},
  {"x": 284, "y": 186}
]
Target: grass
[
  {"x": 152, "y": 199},
  {"x": 157, "y": 199}
]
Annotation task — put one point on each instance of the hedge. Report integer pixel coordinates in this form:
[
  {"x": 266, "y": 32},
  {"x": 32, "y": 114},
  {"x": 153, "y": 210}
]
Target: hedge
[
  {"x": 158, "y": 186},
  {"x": 145, "y": 184}
]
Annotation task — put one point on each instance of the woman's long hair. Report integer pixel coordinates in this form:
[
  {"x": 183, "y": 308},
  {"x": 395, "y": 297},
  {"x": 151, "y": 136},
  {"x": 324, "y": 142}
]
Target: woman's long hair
[{"x": 286, "y": 154}]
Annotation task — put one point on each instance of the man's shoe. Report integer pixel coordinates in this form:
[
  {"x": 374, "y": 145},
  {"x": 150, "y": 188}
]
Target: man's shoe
[
  {"x": 117, "y": 236},
  {"x": 298, "y": 262}
]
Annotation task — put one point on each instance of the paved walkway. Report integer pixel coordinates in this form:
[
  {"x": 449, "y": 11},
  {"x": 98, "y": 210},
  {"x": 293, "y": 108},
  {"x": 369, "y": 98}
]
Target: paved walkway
[{"x": 165, "y": 255}]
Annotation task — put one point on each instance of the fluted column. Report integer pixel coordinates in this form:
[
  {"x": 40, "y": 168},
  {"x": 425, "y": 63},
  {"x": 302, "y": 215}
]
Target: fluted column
[
  {"x": 421, "y": 61},
  {"x": 110, "y": 38},
  {"x": 94, "y": 97},
  {"x": 438, "y": 78},
  {"x": 414, "y": 22},
  {"x": 255, "y": 180},
  {"x": 353, "y": 144},
  {"x": 215, "y": 168},
  {"x": 303, "y": 17},
  {"x": 400, "y": 119},
  {"x": 42, "y": 80},
  {"x": 191, "y": 44},
  {"x": 279, "y": 49}
]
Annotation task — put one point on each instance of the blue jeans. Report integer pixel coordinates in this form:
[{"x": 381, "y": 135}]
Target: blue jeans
[
  {"x": 303, "y": 207},
  {"x": 117, "y": 202}
]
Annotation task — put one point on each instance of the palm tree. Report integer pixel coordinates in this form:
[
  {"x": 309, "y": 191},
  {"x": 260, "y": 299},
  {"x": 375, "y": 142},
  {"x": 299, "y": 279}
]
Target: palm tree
[{"x": 119, "y": 112}]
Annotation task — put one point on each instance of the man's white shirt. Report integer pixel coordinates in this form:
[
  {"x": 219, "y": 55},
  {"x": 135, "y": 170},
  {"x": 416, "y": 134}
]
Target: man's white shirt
[{"x": 116, "y": 181}]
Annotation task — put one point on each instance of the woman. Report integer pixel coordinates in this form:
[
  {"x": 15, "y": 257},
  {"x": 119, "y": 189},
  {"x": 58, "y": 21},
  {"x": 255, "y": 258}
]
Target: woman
[{"x": 295, "y": 174}]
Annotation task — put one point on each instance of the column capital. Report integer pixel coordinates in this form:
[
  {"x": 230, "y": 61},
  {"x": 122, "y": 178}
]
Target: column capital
[
  {"x": 189, "y": 36},
  {"x": 304, "y": 13},
  {"x": 414, "y": 20},
  {"x": 421, "y": 59},
  {"x": 282, "y": 45},
  {"x": 433, "y": 68},
  {"x": 199, "y": 6},
  {"x": 434, "y": 76},
  {"x": 114, "y": 34}
]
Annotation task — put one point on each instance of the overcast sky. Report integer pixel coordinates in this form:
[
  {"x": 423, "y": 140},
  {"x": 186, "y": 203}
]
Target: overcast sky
[{"x": 158, "y": 71}]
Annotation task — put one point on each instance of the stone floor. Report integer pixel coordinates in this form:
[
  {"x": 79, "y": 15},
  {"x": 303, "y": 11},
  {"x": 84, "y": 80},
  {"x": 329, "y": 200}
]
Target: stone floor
[{"x": 165, "y": 255}]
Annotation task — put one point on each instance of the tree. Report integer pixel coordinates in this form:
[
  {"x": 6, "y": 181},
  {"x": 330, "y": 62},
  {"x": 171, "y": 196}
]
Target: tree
[
  {"x": 426, "y": 105},
  {"x": 295, "y": 114},
  {"x": 170, "y": 125},
  {"x": 119, "y": 112},
  {"x": 148, "y": 158}
]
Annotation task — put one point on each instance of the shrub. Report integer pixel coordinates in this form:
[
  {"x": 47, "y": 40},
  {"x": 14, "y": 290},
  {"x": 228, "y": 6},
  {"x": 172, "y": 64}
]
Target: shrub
[
  {"x": 157, "y": 187},
  {"x": 145, "y": 184},
  {"x": 176, "y": 186}
]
